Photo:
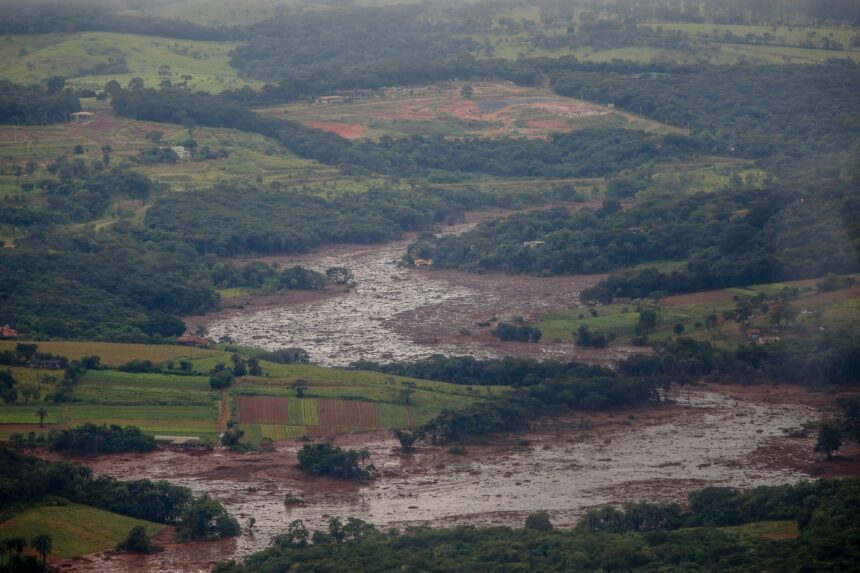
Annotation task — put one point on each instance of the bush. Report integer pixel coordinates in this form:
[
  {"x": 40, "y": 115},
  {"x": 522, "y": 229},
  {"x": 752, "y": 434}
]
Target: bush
[
  {"x": 518, "y": 333},
  {"x": 137, "y": 542},
  {"x": 326, "y": 460}
]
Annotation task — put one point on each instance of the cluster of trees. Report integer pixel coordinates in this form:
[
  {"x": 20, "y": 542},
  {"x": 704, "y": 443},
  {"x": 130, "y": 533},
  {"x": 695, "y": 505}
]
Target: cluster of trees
[
  {"x": 832, "y": 432},
  {"x": 36, "y": 105},
  {"x": 467, "y": 370},
  {"x": 517, "y": 332},
  {"x": 212, "y": 221},
  {"x": 93, "y": 439},
  {"x": 750, "y": 111},
  {"x": 13, "y": 560},
  {"x": 511, "y": 412},
  {"x": 641, "y": 538},
  {"x": 29, "y": 480},
  {"x": 828, "y": 358},
  {"x": 324, "y": 459},
  {"x": 47, "y": 16},
  {"x": 286, "y": 356},
  {"x": 729, "y": 238}
]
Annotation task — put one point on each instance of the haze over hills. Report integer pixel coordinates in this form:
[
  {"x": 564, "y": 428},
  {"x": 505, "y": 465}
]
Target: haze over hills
[{"x": 386, "y": 285}]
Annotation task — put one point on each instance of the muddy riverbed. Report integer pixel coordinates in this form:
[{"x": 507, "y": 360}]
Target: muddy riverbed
[
  {"x": 708, "y": 436},
  {"x": 397, "y": 313}
]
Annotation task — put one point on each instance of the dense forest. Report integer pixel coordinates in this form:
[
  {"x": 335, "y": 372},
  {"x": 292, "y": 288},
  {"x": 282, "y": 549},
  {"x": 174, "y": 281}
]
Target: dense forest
[
  {"x": 641, "y": 537},
  {"x": 744, "y": 110},
  {"x": 728, "y": 238},
  {"x": 36, "y": 105}
]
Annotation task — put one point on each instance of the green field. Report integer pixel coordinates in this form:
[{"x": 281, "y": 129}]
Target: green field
[
  {"x": 251, "y": 159},
  {"x": 347, "y": 390},
  {"x": 336, "y": 400},
  {"x": 116, "y": 354},
  {"x": 32, "y": 58},
  {"x": 76, "y": 530},
  {"x": 830, "y": 310},
  {"x": 772, "y": 530}
]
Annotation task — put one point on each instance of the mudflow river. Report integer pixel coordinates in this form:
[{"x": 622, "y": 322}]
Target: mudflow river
[
  {"x": 718, "y": 436},
  {"x": 649, "y": 453},
  {"x": 396, "y": 313}
]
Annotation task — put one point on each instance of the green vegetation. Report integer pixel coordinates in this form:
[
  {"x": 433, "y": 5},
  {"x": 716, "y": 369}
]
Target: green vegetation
[
  {"x": 76, "y": 530},
  {"x": 642, "y": 537},
  {"x": 326, "y": 460},
  {"x": 31, "y": 481},
  {"x": 87, "y": 60}
]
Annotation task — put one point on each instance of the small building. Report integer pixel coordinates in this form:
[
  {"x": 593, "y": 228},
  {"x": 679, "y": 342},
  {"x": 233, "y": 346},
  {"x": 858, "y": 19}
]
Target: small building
[
  {"x": 181, "y": 152},
  {"x": 754, "y": 334},
  {"x": 533, "y": 244},
  {"x": 81, "y": 116},
  {"x": 423, "y": 262},
  {"x": 45, "y": 363},
  {"x": 189, "y": 339},
  {"x": 7, "y": 331},
  {"x": 180, "y": 442},
  {"x": 330, "y": 99},
  {"x": 767, "y": 339}
]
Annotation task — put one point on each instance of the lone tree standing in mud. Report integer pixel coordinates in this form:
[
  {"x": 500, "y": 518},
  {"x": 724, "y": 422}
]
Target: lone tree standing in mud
[{"x": 829, "y": 439}]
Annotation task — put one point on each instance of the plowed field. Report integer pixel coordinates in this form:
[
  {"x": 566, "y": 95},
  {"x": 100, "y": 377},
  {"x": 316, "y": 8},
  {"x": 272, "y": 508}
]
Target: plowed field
[{"x": 281, "y": 418}]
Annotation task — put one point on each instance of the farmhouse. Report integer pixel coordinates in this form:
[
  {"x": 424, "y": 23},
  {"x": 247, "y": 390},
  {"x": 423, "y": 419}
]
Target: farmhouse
[
  {"x": 45, "y": 363},
  {"x": 423, "y": 262},
  {"x": 181, "y": 152},
  {"x": 330, "y": 99},
  {"x": 180, "y": 442},
  {"x": 533, "y": 244},
  {"x": 7, "y": 331}
]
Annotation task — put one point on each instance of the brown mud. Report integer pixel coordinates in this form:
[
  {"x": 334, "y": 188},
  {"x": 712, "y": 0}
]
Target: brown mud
[
  {"x": 400, "y": 313},
  {"x": 707, "y": 435}
]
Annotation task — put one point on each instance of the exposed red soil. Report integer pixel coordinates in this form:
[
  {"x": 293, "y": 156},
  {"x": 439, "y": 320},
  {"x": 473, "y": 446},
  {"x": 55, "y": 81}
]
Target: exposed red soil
[
  {"x": 336, "y": 414},
  {"x": 262, "y": 409},
  {"x": 345, "y": 130},
  {"x": 829, "y": 297}
]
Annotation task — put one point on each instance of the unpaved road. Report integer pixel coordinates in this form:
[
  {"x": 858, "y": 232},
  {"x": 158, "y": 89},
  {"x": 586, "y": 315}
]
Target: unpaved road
[{"x": 710, "y": 436}]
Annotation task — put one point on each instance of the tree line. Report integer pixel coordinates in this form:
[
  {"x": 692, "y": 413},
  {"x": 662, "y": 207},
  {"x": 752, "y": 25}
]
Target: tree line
[
  {"x": 27, "y": 480},
  {"x": 641, "y": 537}
]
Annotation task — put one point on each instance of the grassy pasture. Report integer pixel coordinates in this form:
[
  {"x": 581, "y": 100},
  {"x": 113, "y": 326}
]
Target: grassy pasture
[
  {"x": 772, "y": 530},
  {"x": 116, "y": 354},
  {"x": 830, "y": 310},
  {"x": 32, "y": 58},
  {"x": 252, "y": 158},
  {"x": 76, "y": 530}
]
